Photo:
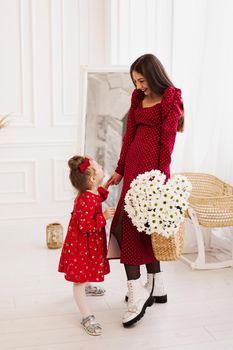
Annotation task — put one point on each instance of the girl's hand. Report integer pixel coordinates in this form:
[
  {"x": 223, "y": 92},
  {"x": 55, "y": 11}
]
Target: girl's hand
[
  {"x": 109, "y": 213},
  {"x": 115, "y": 179},
  {"x": 105, "y": 185}
]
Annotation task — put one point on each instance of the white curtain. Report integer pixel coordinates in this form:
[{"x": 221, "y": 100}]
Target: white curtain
[{"x": 202, "y": 65}]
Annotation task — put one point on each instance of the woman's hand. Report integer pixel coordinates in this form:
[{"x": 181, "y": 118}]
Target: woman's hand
[{"x": 115, "y": 179}]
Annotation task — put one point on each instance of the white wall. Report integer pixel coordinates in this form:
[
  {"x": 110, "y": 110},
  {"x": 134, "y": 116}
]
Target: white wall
[{"x": 43, "y": 43}]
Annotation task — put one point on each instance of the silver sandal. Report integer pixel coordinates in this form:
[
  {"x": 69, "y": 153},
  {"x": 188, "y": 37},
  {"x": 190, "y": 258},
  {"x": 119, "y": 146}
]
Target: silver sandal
[
  {"x": 94, "y": 290},
  {"x": 91, "y": 326}
]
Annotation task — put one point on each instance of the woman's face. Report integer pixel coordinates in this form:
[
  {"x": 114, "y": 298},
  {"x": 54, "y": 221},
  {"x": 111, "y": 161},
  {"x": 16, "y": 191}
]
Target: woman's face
[{"x": 141, "y": 83}]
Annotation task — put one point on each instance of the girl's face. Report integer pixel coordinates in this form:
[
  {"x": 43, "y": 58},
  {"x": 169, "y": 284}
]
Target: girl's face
[
  {"x": 99, "y": 174},
  {"x": 141, "y": 83}
]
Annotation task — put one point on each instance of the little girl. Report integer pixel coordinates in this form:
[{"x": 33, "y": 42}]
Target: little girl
[{"x": 83, "y": 256}]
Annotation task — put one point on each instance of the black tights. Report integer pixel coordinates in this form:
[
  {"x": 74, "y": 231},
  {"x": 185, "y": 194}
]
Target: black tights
[{"x": 133, "y": 271}]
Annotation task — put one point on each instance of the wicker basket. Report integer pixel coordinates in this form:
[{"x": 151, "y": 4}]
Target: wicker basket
[
  {"x": 212, "y": 200},
  {"x": 167, "y": 249}
]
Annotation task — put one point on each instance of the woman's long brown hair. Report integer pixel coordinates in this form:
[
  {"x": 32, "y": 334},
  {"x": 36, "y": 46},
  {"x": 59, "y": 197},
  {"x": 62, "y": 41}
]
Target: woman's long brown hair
[{"x": 156, "y": 76}]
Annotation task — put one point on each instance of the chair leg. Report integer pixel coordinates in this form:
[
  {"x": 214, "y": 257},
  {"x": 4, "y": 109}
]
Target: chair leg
[{"x": 200, "y": 262}]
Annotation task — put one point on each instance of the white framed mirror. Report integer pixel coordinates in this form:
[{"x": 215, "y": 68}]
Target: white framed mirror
[{"x": 105, "y": 101}]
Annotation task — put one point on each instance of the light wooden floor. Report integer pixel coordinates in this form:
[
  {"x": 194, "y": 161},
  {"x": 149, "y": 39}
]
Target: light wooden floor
[{"x": 37, "y": 311}]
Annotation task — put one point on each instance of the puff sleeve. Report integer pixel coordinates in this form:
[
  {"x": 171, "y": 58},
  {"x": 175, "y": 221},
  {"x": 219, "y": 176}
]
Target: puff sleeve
[
  {"x": 131, "y": 128},
  {"x": 172, "y": 110},
  {"x": 103, "y": 193}
]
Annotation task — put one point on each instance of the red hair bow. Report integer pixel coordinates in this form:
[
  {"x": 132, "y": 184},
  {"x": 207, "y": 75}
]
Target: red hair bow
[{"x": 84, "y": 165}]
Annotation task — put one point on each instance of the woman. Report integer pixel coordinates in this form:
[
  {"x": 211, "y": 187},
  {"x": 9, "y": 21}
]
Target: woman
[{"x": 155, "y": 115}]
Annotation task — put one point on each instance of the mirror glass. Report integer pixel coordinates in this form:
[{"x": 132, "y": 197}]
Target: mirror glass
[{"x": 107, "y": 101}]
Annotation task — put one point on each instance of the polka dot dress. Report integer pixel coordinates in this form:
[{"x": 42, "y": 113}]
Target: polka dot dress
[
  {"x": 83, "y": 256},
  {"x": 148, "y": 144}
]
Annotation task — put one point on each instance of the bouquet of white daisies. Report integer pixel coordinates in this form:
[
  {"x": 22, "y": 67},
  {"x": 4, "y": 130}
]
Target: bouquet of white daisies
[{"x": 157, "y": 207}]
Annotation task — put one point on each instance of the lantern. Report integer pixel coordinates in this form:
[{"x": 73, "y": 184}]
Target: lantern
[{"x": 54, "y": 235}]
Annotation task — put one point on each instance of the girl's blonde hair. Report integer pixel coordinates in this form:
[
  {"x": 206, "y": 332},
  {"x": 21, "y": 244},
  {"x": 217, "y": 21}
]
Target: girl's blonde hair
[{"x": 80, "y": 180}]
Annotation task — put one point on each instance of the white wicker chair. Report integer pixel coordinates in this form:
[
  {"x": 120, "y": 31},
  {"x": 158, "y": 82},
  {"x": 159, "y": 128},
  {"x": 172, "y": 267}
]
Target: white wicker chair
[{"x": 210, "y": 205}]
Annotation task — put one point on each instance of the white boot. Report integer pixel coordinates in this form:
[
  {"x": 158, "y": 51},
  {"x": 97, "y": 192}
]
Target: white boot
[
  {"x": 159, "y": 294},
  {"x": 139, "y": 300}
]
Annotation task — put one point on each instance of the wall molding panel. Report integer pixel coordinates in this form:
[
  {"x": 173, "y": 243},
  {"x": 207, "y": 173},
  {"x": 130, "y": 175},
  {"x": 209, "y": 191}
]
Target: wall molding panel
[
  {"x": 46, "y": 143},
  {"x": 62, "y": 189},
  {"x": 23, "y": 177},
  {"x": 16, "y": 178},
  {"x": 64, "y": 25},
  {"x": 25, "y": 116},
  {"x": 43, "y": 45}
]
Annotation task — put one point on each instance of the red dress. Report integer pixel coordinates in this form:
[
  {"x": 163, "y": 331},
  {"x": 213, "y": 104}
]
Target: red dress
[
  {"x": 147, "y": 144},
  {"x": 83, "y": 256}
]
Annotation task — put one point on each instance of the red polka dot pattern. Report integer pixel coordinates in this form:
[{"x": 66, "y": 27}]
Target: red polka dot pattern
[
  {"x": 83, "y": 256},
  {"x": 147, "y": 144}
]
